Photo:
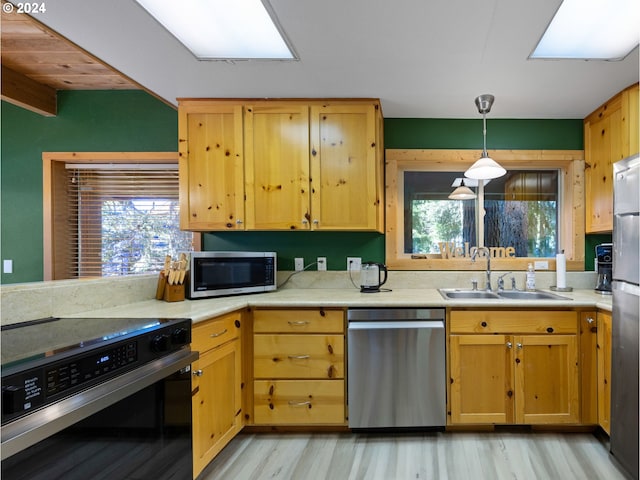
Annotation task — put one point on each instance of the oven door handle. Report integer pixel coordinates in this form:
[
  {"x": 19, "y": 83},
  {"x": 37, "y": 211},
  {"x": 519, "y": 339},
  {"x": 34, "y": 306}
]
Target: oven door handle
[
  {"x": 40, "y": 424},
  {"x": 396, "y": 325}
]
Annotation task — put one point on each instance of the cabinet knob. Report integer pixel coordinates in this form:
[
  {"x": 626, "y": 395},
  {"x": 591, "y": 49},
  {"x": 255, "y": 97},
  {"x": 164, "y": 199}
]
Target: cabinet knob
[
  {"x": 197, "y": 373},
  {"x": 239, "y": 222},
  {"x": 316, "y": 221},
  {"x": 509, "y": 345},
  {"x": 590, "y": 320},
  {"x": 304, "y": 221},
  {"x": 519, "y": 346}
]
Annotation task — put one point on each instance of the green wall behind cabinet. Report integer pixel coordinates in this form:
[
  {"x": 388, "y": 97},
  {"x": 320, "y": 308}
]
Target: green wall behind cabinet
[
  {"x": 90, "y": 121},
  {"x": 336, "y": 246},
  {"x": 137, "y": 121},
  {"x": 502, "y": 134}
]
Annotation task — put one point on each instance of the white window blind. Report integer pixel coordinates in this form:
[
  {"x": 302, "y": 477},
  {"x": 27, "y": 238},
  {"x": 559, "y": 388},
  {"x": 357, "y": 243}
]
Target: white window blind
[{"x": 121, "y": 219}]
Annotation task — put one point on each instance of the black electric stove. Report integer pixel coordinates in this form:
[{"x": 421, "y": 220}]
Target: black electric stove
[{"x": 49, "y": 359}]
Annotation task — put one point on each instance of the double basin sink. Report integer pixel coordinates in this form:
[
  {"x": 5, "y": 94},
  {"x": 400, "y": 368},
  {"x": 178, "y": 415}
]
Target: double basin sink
[{"x": 459, "y": 294}]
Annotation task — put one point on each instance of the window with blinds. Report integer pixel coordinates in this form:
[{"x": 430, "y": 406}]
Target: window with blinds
[{"x": 119, "y": 219}]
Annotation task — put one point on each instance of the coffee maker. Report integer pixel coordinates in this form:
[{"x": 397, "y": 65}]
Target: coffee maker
[{"x": 604, "y": 264}]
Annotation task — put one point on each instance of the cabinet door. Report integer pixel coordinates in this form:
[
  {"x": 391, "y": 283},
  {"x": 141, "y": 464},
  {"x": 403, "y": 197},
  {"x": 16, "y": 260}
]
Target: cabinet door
[
  {"x": 631, "y": 119},
  {"x": 216, "y": 402},
  {"x": 604, "y": 370},
  {"x": 588, "y": 369},
  {"x": 277, "y": 167},
  {"x": 211, "y": 166},
  {"x": 604, "y": 145},
  {"x": 481, "y": 386},
  {"x": 546, "y": 379},
  {"x": 344, "y": 168}
]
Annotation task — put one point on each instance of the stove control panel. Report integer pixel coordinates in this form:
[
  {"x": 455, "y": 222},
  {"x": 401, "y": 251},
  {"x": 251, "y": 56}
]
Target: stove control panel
[{"x": 36, "y": 387}]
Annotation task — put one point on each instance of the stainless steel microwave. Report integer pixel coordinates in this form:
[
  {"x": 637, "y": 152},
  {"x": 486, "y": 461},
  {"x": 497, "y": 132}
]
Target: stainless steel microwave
[{"x": 217, "y": 274}]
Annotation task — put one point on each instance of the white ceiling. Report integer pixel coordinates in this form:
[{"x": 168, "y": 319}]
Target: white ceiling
[{"x": 422, "y": 58}]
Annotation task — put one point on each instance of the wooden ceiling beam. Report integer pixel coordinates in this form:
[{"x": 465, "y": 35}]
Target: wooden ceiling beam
[{"x": 27, "y": 93}]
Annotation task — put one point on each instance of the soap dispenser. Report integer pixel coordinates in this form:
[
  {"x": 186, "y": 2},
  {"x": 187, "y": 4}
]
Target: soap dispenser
[{"x": 530, "y": 283}]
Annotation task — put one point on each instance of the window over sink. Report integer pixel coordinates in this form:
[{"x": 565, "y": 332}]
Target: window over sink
[
  {"x": 533, "y": 212},
  {"x": 521, "y": 211}
]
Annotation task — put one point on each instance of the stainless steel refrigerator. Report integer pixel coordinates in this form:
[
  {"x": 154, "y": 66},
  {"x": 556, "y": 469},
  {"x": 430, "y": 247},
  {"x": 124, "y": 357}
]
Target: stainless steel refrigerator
[{"x": 626, "y": 299}]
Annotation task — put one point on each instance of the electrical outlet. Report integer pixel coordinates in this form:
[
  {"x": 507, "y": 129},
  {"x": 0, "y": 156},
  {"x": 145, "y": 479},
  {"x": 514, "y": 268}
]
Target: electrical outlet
[
  {"x": 541, "y": 265},
  {"x": 322, "y": 264},
  {"x": 299, "y": 263},
  {"x": 354, "y": 263}
]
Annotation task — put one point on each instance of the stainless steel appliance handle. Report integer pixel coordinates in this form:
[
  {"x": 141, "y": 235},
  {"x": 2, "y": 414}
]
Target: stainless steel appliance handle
[
  {"x": 34, "y": 427},
  {"x": 393, "y": 325}
]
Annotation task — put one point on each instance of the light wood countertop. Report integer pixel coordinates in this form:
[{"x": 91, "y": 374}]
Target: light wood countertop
[{"x": 199, "y": 310}]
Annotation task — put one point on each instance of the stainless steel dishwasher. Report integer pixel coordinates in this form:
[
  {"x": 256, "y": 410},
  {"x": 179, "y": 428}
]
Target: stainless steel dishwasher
[{"x": 396, "y": 367}]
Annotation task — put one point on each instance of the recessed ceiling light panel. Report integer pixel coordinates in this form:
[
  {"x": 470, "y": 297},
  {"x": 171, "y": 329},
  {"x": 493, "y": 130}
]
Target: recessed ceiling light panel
[
  {"x": 223, "y": 29},
  {"x": 591, "y": 30}
]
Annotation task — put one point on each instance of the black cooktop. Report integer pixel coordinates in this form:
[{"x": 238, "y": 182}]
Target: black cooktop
[{"x": 43, "y": 340}]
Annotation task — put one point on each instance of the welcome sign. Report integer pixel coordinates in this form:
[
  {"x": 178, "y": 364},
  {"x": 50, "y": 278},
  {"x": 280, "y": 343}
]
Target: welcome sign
[{"x": 450, "y": 250}]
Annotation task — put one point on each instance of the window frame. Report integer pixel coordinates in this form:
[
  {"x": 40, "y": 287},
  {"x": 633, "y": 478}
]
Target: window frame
[
  {"x": 571, "y": 220},
  {"x": 53, "y": 167}
]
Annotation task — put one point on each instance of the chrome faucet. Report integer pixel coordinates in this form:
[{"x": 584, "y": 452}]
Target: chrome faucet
[
  {"x": 501, "y": 281},
  {"x": 487, "y": 253}
]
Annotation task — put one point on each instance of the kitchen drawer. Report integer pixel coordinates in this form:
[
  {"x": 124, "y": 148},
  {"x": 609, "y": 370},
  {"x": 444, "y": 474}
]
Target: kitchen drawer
[
  {"x": 215, "y": 332},
  {"x": 299, "y": 402},
  {"x": 298, "y": 321},
  {"x": 298, "y": 356},
  {"x": 513, "y": 321}
]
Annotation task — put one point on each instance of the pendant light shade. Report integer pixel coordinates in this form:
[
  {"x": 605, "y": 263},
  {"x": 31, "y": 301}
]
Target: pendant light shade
[
  {"x": 485, "y": 167},
  {"x": 462, "y": 193}
]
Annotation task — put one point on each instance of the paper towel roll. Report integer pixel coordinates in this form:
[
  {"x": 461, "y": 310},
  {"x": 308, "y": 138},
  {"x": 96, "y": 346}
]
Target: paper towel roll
[{"x": 561, "y": 271}]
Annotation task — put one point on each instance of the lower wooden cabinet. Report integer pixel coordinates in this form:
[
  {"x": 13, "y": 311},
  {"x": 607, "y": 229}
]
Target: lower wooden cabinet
[
  {"x": 216, "y": 387},
  {"x": 604, "y": 370},
  {"x": 299, "y": 367},
  {"x": 513, "y": 367},
  {"x": 299, "y": 402}
]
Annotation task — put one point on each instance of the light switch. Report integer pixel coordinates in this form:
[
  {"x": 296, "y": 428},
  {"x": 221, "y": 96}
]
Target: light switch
[{"x": 7, "y": 266}]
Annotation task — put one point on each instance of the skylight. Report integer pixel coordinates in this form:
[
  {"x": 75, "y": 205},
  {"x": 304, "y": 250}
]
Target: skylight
[
  {"x": 222, "y": 29},
  {"x": 591, "y": 30}
]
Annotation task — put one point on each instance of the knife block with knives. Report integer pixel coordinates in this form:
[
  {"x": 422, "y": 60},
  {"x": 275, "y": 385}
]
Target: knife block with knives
[{"x": 171, "y": 280}]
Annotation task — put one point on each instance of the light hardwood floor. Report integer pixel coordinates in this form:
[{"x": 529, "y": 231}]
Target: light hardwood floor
[{"x": 452, "y": 455}]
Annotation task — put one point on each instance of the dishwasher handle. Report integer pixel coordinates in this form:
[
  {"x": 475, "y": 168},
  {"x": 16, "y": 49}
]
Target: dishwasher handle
[{"x": 396, "y": 325}]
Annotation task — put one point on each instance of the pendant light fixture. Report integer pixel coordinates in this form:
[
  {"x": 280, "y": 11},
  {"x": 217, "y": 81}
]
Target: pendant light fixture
[
  {"x": 485, "y": 167},
  {"x": 462, "y": 192}
]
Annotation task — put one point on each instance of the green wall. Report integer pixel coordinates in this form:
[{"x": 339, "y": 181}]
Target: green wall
[
  {"x": 87, "y": 121},
  {"x": 136, "y": 121}
]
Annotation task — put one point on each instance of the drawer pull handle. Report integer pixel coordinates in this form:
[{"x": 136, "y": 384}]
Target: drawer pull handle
[
  {"x": 197, "y": 373},
  {"x": 299, "y": 357},
  {"x": 298, "y": 323},
  {"x": 214, "y": 335},
  {"x": 299, "y": 404}
]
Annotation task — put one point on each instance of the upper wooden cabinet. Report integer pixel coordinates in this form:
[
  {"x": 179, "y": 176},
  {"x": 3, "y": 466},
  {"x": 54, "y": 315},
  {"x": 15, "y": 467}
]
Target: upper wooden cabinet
[
  {"x": 211, "y": 166},
  {"x": 610, "y": 134},
  {"x": 281, "y": 165}
]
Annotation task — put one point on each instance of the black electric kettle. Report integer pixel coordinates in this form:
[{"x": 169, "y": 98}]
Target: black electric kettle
[{"x": 371, "y": 276}]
